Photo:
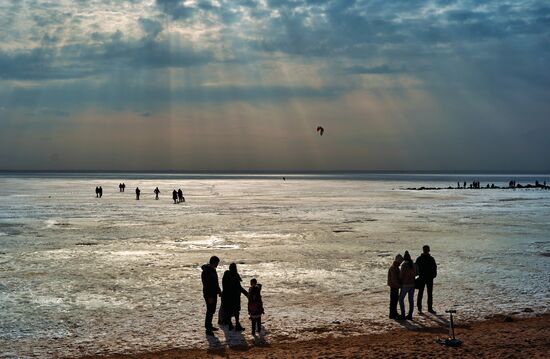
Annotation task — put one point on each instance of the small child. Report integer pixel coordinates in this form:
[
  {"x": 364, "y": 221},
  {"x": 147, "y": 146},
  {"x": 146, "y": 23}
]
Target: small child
[{"x": 255, "y": 305}]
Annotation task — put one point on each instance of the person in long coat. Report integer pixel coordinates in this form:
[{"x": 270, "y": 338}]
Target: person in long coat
[{"x": 231, "y": 297}]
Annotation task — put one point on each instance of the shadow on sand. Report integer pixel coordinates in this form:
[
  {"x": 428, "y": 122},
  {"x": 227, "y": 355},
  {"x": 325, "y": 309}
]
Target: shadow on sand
[
  {"x": 235, "y": 339},
  {"x": 430, "y": 323},
  {"x": 215, "y": 346}
]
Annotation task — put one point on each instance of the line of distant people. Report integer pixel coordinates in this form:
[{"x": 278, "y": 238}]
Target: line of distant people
[
  {"x": 177, "y": 196},
  {"x": 511, "y": 184},
  {"x": 404, "y": 276},
  {"x": 230, "y": 298}
]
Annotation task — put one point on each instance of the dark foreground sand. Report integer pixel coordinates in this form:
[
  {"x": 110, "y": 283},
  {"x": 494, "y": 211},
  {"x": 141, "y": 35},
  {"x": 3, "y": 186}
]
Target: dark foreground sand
[{"x": 496, "y": 337}]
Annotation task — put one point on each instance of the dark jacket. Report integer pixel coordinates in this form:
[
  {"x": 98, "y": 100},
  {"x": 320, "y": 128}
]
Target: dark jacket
[
  {"x": 407, "y": 274},
  {"x": 427, "y": 268},
  {"x": 231, "y": 295},
  {"x": 393, "y": 276},
  {"x": 255, "y": 304},
  {"x": 210, "y": 284}
]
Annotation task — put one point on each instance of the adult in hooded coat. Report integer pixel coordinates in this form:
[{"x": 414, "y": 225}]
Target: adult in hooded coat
[{"x": 231, "y": 296}]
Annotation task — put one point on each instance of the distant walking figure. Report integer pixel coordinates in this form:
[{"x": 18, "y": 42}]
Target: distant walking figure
[
  {"x": 210, "y": 291},
  {"x": 137, "y": 193},
  {"x": 394, "y": 282},
  {"x": 180, "y": 196},
  {"x": 123, "y": 186},
  {"x": 120, "y": 187},
  {"x": 231, "y": 296},
  {"x": 157, "y": 191},
  {"x": 406, "y": 275},
  {"x": 100, "y": 192},
  {"x": 427, "y": 271},
  {"x": 255, "y": 305},
  {"x": 175, "y": 196},
  {"x": 96, "y": 192}
]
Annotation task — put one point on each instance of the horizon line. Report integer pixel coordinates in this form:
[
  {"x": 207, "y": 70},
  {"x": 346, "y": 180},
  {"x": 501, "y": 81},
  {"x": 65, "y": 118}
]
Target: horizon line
[{"x": 251, "y": 171}]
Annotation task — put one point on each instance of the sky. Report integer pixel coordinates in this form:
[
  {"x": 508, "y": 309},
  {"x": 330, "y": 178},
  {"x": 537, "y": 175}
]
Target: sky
[{"x": 242, "y": 85}]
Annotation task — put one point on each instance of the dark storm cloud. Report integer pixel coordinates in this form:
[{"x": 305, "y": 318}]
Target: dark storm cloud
[{"x": 108, "y": 53}]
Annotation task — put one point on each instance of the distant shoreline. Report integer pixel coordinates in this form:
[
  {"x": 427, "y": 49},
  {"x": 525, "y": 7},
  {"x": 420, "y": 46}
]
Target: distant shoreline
[
  {"x": 288, "y": 172},
  {"x": 450, "y": 179}
]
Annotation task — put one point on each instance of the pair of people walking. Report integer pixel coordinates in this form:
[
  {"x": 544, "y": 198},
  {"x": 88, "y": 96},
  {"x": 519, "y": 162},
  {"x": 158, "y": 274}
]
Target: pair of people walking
[
  {"x": 177, "y": 196},
  {"x": 230, "y": 296},
  {"x": 402, "y": 280}
]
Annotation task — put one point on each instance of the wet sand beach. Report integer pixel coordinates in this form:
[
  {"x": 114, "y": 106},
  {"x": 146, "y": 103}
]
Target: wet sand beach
[{"x": 496, "y": 337}]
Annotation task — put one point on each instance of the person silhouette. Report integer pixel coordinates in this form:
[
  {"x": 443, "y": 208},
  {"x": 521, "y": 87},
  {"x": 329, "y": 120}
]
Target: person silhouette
[
  {"x": 231, "y": 296},
  {"x": 175, "y": 196},
  {"x": 123, "y": 186},
  {"x": 210, "y": 291},
  {"x": 427, "y": 271},
  {"x": 137, "y": 193},
  {"x": 120, "y": 187},
  {"x": 255, "y": 305},
  {"x": 406, "y": 275},
  {"x": 180, "y": 196},
  {"x": 157, "y": 191},
  {"x": 100, "y": 192},
  {"x": 96, "y": 192},
  {"x": 394, "y": 282}
]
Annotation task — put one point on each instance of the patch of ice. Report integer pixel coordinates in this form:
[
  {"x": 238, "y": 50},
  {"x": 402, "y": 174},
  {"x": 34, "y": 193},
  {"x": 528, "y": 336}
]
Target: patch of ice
[
  {"x": 47, "y": 301},
  {"x": 208, "y": 243}
]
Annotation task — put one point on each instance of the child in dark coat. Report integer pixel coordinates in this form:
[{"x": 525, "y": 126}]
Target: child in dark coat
[{"x": 255, "y": 305}]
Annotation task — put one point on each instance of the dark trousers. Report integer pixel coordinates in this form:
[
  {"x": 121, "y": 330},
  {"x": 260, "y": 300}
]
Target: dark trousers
[
  {"x": 256, "y": 323},
  {"x": 210, "y": 310},
  {"x": 394, "y": 298},
  {"x": 429, "y": 285}
]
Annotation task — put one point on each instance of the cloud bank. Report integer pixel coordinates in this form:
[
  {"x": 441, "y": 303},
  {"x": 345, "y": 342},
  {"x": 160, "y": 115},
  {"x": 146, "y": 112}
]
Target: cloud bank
[{"x": 424, "y": 85}]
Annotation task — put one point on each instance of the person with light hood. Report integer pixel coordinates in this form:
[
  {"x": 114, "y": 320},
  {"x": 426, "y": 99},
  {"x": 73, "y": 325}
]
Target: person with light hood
[{"x": 394, "y": 282}]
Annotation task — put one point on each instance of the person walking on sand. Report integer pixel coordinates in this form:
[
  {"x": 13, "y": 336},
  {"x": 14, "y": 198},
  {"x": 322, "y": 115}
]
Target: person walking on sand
[
  {"x": 180, "y": 196},
  {"x": 255, "y": 305},
  {"x": 394, "y": 282},
  {"x": 406, "y": 275},
  {"x": 210, "y": 291},
  {"x": 231, "y": 296},
  {"x": 137, "y": 193},
  {"x": 96, "y": 192},
  {"x": 100, "y": 192},
  {"x": 123, "y": 186},
  {"x": 427, "y": 271},
  {"x": 175, "y": 196},
  {"x": 157, "y": 191}
]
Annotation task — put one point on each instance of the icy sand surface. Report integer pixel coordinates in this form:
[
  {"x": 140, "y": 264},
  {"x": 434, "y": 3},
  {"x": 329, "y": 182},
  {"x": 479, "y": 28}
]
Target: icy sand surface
[{"x": 80, "y": 275}]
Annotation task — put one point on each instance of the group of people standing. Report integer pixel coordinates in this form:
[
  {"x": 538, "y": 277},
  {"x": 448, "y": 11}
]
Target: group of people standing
[
  {"x": 177, "y": 196},
  {"x": 230, "y": 298},
  {"x": 404, "y": 276}
]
